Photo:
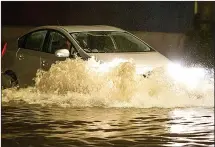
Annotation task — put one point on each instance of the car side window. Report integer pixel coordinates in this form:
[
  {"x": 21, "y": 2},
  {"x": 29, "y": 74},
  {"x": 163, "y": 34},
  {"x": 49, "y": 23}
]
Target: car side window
[
  {"x": 35, "y": 40},
  {"x": 57, "y": 41},
  {"x": 21, "y": 42}
]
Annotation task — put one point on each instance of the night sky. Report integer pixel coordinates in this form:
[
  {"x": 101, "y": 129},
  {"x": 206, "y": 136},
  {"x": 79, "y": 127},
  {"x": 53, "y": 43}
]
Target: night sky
[{"x": 143, "y": 16}]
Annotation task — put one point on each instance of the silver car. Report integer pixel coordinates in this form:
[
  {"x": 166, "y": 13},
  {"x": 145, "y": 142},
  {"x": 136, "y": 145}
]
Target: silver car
[{"x": 42, "y": 46}]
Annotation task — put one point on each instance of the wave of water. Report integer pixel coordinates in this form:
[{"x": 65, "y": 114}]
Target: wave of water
[{"x": 76, "y": 83}]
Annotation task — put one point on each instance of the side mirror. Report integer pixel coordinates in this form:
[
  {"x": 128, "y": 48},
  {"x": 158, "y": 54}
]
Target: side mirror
[
  {"x": 95, "y": 51},
  {"x": 62, "y": 53}
]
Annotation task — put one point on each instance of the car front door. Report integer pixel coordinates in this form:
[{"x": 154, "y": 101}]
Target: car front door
[
  {"x": 54, "y": 41},
  {"x": 28, "y": 56}
]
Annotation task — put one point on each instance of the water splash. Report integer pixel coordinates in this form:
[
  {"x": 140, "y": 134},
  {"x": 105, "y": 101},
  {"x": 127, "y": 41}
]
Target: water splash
[{"x": 78, "y": 83}]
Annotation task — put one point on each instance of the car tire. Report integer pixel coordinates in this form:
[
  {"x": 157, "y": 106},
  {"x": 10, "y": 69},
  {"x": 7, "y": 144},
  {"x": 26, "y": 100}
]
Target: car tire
[{"x": 9, "y": 80}]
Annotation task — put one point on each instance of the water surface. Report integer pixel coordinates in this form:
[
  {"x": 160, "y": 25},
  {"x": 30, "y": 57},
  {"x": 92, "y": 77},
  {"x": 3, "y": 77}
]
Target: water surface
[{"x": 34, "y": 126}]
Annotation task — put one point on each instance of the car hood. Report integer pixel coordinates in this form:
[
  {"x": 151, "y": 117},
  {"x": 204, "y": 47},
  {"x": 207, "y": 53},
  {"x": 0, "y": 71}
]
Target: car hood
[{"x": 142, "y": 60}]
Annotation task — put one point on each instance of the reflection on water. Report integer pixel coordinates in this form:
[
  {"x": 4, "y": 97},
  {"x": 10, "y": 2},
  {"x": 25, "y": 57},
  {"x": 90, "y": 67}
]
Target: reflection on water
[{"x": 33, "y": 126}]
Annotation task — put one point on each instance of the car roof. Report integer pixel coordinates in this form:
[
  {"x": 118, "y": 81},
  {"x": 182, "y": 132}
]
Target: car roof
[{"x": 82, "y": 28}]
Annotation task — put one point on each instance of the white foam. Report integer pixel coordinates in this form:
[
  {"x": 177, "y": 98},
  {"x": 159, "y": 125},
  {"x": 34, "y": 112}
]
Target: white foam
[{"x": 76, "y": 83}]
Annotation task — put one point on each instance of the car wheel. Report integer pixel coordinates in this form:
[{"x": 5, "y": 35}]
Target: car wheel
[{"x": 9, "y": 80}]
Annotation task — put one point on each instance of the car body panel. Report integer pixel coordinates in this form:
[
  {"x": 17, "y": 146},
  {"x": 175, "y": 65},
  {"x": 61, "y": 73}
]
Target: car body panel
[
  {"x": 26, "y": 65},
  {"x": 23, "y": 63},
  {"x": 47, "y": 59},
  {"x": 153, "y": 59},
  {"x": 80, "y": 28}
]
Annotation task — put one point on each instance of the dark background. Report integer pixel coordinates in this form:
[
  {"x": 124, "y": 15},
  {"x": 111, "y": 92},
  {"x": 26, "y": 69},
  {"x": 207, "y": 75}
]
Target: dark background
[{"x": 141, "y": 16}]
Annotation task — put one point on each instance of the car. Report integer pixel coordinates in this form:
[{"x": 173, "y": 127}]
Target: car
[{"x": 42, "y": 46}]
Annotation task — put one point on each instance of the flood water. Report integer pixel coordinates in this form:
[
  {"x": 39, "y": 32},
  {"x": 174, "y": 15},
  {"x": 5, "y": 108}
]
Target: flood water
[
  {"x": 34, "y": 126},
  {"x": 117, "y": 109}
]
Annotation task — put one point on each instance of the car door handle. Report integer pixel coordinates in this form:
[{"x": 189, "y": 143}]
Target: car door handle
[
  {"x": 44, "y": 63},
  {"x": 21, "y": 57}
]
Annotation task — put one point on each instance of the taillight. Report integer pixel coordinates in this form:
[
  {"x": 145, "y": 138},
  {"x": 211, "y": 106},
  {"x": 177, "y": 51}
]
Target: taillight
[{"x": 4, "y": 49}]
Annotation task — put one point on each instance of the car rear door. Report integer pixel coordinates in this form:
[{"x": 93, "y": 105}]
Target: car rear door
[{"x": 28, "y": 56}]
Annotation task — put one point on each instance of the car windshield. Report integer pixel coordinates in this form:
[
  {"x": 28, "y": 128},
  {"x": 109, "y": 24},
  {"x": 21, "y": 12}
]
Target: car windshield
[{"x": 110, "y": 42}]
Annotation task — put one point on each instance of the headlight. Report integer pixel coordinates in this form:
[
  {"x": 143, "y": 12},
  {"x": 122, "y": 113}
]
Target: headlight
[{"x": 189, "y": 76}]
